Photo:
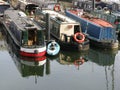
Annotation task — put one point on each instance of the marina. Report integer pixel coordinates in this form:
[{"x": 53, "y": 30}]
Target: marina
[{"x": 45, "y": 48}]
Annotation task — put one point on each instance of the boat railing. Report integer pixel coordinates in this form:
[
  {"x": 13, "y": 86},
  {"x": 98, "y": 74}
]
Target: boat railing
[{"x": 105, "y": 16}]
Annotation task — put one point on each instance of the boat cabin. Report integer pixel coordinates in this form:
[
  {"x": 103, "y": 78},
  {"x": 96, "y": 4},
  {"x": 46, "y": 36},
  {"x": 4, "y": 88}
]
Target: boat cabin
[
  {"x": 60, "y": 25},
  {"x": 26, "y": 32}
]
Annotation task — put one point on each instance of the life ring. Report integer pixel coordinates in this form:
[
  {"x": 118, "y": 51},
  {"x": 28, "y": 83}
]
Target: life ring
[
  {"x": 57, "y": 8},
  {"x": 53, "y": 48},
  {"x": 79, "y": 40},
  {"x": 79, "y": 62}
]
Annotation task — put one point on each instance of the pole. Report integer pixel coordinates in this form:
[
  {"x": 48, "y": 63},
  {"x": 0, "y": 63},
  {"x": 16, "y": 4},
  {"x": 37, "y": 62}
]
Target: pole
[
  {"x": 48, "y": 27},
  {"x": 93, "y": 4}
]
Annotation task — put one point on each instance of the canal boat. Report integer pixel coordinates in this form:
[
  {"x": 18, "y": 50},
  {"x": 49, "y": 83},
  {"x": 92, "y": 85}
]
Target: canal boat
[
  {"x": 100, "y": 32},
  {"x": 26, "y": 34},
  {"x": 66, "y": 31}
]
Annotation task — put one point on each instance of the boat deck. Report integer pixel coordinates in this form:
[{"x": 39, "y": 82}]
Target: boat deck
[
  {"x": 21, "y": 20},
  {"x": 92, "y": 19}
]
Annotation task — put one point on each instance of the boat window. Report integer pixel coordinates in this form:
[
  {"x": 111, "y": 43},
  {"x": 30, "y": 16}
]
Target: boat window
[
  {"x": 24, "y": 37},
  {"x": 117, "y": 21},
  {"x": 33, "y": 37},
  {"x": 76, "y": 28}
]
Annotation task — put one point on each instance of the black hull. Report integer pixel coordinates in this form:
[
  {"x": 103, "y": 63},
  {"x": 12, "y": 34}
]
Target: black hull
[
  {"x": 72, "y": 46},
  {"x": 7, "y": 32},
  {"x": 104, "y": 45}
]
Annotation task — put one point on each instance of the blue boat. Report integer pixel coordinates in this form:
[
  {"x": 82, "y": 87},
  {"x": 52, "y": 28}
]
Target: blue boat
[{"x": 100, "y": 32}]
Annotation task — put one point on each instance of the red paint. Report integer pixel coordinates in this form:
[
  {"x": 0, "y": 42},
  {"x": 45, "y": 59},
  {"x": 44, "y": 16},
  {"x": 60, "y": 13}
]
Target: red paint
[{"x": 32, "y": 54}]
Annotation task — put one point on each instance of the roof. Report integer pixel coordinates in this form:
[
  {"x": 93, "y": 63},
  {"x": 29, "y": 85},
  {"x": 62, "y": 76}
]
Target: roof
[
  {"x": 21, "y": 20},
  {"x": 94, "y": 20},
  {"x": 55, "y": 15}
]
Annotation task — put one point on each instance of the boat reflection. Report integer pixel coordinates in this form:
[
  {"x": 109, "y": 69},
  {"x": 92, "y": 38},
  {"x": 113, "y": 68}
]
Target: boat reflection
[
  {"x": 27, "y": 66},
  {"x": 75, "y": 58},
  {"x": 2, "y": 46},
  {"x": 102, "y": 57}
]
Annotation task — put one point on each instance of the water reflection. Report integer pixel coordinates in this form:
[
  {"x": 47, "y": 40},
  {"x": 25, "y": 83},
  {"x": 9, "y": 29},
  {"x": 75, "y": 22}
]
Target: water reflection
[
  {"x": 2, "y": 45},
  {"x": 102, "y": 63},
  {"x": 75, "y": 58},
  {"x": 25, "y": 65},
  {"x": 106, "y": 59},
  {"x": 102, "y": 57}
]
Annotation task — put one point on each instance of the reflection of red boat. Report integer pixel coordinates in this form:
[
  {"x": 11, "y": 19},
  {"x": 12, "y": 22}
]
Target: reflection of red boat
[
  {"x": 42, "y": 58},
  {"x": 33, "y": 61}
]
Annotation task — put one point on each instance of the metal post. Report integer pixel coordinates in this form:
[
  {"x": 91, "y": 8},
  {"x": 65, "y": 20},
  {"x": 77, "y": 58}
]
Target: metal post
[
  {"x": 93, "y": 4},
  {"x": 48, "y": 27}
]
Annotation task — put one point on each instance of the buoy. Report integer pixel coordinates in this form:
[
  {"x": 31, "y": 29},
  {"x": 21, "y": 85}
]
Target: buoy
[
  {"x": 53, "y": 48},
  {"x": 81, "y": 39},
  {"x": 57, "y": 8}
]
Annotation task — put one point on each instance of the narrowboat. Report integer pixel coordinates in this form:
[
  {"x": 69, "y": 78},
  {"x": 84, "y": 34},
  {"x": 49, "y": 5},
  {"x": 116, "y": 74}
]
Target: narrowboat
[
  {"x": 26, "y": 34},
  {"x": 66, "y": 31},
  {"x": 100, "y": 32}
]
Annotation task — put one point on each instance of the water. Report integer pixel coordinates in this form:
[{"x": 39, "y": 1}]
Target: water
[{"x": 100, "y": 71}]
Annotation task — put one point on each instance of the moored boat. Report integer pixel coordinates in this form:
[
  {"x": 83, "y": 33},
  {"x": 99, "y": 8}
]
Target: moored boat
[
  {"x": 26, "y": 34},
  {"x": 100, "y": 32},
  {"x": 66, "y": 31}
]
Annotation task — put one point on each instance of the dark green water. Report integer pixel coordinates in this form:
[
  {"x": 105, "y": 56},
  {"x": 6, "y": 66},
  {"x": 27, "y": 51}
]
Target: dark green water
[{"x": 100, "y": 71}]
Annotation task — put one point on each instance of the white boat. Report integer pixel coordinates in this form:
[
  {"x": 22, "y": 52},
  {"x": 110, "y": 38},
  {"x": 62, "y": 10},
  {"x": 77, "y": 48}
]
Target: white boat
[{"x": 63, "y": 29}]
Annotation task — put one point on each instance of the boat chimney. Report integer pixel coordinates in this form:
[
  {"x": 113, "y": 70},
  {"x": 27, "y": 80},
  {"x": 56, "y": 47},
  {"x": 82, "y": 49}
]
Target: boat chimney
[
  {"x": 48, "y": 27},
  {"x": 93, "y": 4}
]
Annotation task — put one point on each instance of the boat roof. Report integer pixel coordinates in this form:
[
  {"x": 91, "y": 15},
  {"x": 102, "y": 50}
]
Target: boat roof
[
  {"x": 38, "y": 2},
  {"x": 55, "y": 15},
  {"x": 92, "y": 19},
  {"x": 21, "y": 20}
]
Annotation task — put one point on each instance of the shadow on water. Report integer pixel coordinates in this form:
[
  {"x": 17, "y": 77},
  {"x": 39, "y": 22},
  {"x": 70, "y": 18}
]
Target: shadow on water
[
  {"x": 25, "y": 65},
  {"x": 102, "y": 57}
]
